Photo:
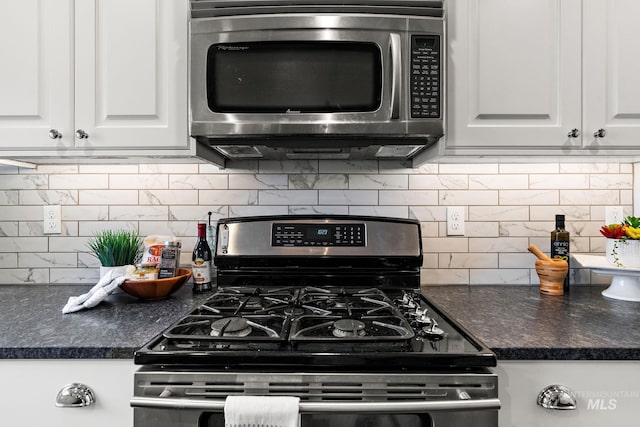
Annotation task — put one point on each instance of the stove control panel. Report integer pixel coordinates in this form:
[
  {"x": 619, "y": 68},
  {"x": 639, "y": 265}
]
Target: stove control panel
[{"x": 305, "y": 234}]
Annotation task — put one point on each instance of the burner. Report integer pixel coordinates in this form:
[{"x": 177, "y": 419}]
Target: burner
[
  {"x": 253, "y": 302},
  {"x": 339, "y": 302},
  {"x": 348, "y": 328},
  {"x": 230, "y": 327},
  {"x": 294, "y": 311}
]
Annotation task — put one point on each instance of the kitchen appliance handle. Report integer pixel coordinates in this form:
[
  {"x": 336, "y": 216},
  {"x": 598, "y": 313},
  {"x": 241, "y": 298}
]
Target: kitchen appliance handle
[
  {"x": 396, "y": 62},
  {"x": 331, "y": 407}
]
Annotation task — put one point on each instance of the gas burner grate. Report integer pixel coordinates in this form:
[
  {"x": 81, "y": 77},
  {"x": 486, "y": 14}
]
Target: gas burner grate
[
  {"x": 336, "y": 328},
  {"x": 221, "y": 328}
]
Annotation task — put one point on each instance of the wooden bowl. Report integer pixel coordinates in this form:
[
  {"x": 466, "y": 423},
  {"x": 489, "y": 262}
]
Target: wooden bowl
[
  {"x": 156, "y": 289},
  {"x": 552, "y": 274}
]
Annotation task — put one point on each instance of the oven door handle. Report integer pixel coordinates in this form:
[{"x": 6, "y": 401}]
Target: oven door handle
[{"x": 394, "y": 407}]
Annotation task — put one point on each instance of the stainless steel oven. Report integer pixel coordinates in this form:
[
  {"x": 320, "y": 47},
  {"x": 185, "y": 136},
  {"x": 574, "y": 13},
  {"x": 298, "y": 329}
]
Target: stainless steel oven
[
  {"x": 327, "y": 309},
  {"x": 316, "y": 79},
  {"x": 196, "y": 399}
]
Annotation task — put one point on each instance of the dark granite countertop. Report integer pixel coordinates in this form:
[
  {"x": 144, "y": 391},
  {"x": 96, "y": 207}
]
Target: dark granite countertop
[
  {"x": 516, "y": 322},
  {"x": 32, "y": 325},
  {"x": 519, "y": 323}
]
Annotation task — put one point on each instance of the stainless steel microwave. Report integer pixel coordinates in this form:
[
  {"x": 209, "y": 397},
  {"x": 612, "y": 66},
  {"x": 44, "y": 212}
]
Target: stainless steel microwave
[{"x": 304, "y": 79}]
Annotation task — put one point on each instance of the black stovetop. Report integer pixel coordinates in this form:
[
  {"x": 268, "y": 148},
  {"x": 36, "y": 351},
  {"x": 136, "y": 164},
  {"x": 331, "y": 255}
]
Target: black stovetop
[{"x": 302, "y": 327}]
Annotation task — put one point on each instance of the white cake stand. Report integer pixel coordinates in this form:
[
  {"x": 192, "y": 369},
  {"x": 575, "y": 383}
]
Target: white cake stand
[{"x": 625, "y": 284}]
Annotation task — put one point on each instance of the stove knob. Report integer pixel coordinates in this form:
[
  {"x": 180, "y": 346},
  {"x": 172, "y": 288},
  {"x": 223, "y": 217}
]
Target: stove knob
[
  {"x": 421, "y": 311},
  {"x": 433, "y": 332}
]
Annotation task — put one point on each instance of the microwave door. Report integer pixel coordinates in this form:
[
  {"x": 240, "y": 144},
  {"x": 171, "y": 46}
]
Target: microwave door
[{"x": 382, "y": 113}]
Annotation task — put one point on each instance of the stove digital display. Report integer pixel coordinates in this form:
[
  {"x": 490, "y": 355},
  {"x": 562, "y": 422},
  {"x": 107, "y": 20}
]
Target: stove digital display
[
  {"x": 321, "y": 234},
  {"x": 300, "y": 234}
]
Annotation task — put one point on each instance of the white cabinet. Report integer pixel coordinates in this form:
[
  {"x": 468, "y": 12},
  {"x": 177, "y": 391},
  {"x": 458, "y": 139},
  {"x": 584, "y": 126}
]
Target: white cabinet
[
  {"x": 36, "y": 75},
  {"x": 110, "y": 76},
  {"x": 607, "y": 393},
  {"x": 30, "y": 387},
  {"x": 611, "y": 66},
  {"x": 523, "y": 75}
]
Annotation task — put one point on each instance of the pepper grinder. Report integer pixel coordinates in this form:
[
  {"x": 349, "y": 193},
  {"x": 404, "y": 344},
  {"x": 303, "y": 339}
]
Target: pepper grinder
[{"x": 211, "y": 241}]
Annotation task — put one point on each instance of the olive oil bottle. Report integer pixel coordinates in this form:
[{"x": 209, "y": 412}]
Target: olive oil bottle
[{"x": 560, "y": 246}]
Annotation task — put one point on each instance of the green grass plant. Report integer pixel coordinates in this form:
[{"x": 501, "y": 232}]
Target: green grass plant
[{"x": 114, "y": 248}]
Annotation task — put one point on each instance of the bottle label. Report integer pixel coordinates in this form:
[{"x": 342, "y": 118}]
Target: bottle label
[
  {"x": 201, "y": 270},
  {"x": 560, "y": 248}
]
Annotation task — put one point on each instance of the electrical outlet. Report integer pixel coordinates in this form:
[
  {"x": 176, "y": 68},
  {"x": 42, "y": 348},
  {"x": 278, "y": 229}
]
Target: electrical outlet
[
  {"x": 455, "y": 221},
  {"x": 613, "y": 215},
  {"x": 52, "y": 219}
]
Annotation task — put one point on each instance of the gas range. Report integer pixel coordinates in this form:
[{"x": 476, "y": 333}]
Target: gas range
[
  {"x": 331, "y": 326},
  {"x": 327, "y": 309}
]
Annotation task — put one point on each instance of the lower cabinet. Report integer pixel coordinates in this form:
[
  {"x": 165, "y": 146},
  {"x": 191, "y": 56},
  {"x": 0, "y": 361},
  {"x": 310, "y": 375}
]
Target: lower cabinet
[
  {"x": 29, "y": 390},
  {"x": 607, "y": 393}
]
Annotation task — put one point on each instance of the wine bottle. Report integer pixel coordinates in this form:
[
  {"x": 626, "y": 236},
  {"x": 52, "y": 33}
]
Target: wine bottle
[
  {"x": 201, "y": 262},
  {"x": 560, "y": 246}
]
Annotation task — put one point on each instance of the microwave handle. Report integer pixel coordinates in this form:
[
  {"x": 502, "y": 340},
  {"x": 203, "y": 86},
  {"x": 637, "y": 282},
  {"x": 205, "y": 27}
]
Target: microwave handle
[
  {"x": 331, "y": 407},
  {"x": 396, "y": 62}
]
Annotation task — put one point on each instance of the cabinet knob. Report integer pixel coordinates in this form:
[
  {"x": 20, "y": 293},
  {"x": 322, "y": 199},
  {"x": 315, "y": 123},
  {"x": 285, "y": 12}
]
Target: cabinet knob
[
  {"x": 600, "y": 133},
  {"x": 557, "y": 397},
  {"x": 81, "y": 134},
  {"x": 54, "y": 134},
  {"x": 75, "y": 395},
  {"x": 573, "y": 133}
]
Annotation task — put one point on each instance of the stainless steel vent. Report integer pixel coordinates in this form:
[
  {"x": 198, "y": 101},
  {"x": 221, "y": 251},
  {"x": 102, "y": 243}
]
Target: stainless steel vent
[
  {"x": 313, "y": 387},
  {"x": 347, "y": 152},
  {"x": 209, "y": 8}
]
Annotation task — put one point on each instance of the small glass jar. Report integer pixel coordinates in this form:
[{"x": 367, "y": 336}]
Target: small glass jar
[
  {"x": 146, "y": 271},
  {"x": 169, "y": 260}
]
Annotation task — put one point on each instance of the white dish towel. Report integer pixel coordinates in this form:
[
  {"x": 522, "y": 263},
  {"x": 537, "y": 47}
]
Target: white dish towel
[
  {"x": 105, "y": 286},
  {"x": 261, "y": 411}
]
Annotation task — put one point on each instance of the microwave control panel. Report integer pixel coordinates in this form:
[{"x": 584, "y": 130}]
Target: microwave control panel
[{"x": 426, "y": 88}]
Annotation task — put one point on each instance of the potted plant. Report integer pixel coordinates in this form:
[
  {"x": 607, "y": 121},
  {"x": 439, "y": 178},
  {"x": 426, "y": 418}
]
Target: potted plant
[
  {"x": 623, "y": 242},
  {"x": 115, "y": 248}
]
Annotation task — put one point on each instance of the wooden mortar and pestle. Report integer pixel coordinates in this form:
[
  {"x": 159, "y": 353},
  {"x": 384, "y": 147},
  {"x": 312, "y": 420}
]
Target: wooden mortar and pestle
[{"x": 551, "y": 272}]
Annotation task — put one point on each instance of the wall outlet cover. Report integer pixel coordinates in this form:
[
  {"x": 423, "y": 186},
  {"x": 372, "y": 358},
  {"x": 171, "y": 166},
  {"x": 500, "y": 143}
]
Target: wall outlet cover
[
  {"x": 455, "y": 221},
  {"x": 52, "y": 217}
]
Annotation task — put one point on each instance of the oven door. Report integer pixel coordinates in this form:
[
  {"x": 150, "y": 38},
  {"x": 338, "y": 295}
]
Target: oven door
[
  {"x": 337, "y": 415},
  {"x": 182, "y": 399}
]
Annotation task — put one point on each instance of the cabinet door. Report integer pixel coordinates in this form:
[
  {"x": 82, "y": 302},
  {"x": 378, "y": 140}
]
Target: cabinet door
[
  {"x": 35, "y": 76},
  {"x": 514, "y": 74},
  {"x": 131, "y": 74},
  {"x": 611, "y": 70},
  {"x": 29, "y": 390},
  {"x": 606, "y": 393}
]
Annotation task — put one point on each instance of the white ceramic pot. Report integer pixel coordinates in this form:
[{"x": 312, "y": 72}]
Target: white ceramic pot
[
  {"x": 117, "y": 271},
  {"x": 623, "y": 253}
]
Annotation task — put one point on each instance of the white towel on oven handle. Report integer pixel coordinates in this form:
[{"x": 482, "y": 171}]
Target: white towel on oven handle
[{"x": 261, "y": 411}]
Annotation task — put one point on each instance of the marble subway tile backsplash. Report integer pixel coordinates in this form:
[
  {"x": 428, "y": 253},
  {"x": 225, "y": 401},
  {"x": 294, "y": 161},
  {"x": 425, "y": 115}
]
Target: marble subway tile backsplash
[{"x": 507, "y": 207}]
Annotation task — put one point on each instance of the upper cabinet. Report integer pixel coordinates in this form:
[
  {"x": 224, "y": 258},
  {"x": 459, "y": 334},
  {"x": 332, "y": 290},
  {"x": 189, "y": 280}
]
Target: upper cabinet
[
  {"x": 36, "y": 76},
  {"x": 543, "y": 77},
  {"x": 93, "y": 77},
  {"x": 611, "y": 70}
]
